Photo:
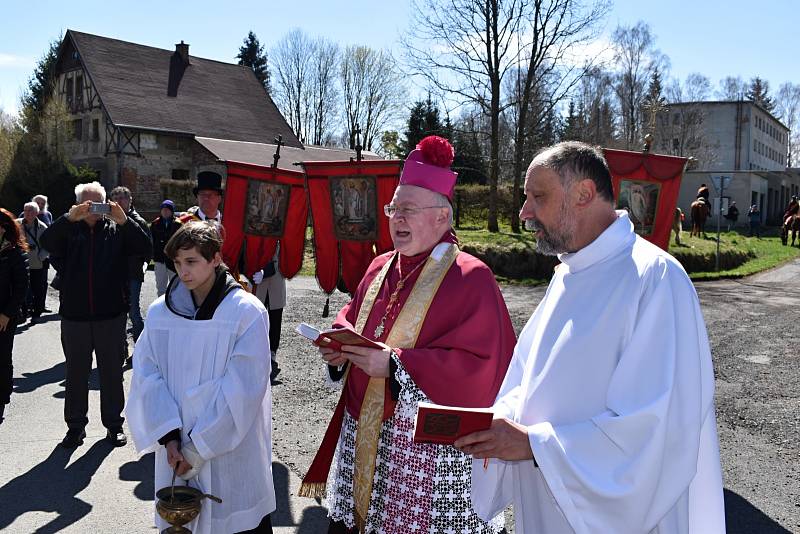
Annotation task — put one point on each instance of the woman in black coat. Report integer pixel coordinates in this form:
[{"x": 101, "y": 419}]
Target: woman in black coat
[{"x": 13, "y": 287}]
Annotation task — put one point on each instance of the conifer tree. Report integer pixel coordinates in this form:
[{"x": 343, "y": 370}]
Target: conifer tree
[
  {"x": 758, "y": 92},
  {"x": 251, "y": 54}
]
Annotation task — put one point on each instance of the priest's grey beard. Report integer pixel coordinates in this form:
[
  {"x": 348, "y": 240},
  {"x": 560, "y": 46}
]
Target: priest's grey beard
[{"x": 554, "y": 241}]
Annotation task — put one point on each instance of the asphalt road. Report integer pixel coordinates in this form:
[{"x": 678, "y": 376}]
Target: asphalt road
[{"x": 752, "y": 326}]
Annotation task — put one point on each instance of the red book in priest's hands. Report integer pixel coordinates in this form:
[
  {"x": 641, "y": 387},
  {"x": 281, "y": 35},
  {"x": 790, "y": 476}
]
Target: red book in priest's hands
[
  {"x": 443, "y": 425},
  {"x": 335, "y": 337}
]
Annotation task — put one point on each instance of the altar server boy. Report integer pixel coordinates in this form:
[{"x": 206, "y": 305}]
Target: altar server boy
[{"x": 200, "y": 395}]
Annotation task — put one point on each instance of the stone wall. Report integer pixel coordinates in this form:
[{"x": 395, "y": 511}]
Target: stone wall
[{"x": 163, "y": 159}]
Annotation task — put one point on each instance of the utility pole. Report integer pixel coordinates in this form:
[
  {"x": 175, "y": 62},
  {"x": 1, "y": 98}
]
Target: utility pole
[{"x": 719, "y": 183}]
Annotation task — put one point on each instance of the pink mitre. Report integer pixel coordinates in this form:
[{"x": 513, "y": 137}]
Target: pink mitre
[{"x": 428, "y": 166}]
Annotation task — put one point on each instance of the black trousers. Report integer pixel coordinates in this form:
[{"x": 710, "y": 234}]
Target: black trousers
[
  {"x": 275, "y": 320},
  {"x": 6, "y": 365},
  {"x": 106, "y": 339},
  {"x": 38, "y": 290},
  {"x": 265, "y": 527}
]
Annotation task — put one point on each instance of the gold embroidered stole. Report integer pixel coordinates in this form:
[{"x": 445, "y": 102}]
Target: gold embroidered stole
[{"x": 403, "y": 334}]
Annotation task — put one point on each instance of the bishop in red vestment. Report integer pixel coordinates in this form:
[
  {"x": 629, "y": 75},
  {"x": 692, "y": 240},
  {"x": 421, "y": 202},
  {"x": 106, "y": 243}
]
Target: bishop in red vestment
[{"x": 447, "y": 338}]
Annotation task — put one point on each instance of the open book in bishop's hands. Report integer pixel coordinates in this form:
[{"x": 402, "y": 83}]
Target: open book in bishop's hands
[
  {"x": 443, "y": 425},
  {"x": 335, "y": 337}
]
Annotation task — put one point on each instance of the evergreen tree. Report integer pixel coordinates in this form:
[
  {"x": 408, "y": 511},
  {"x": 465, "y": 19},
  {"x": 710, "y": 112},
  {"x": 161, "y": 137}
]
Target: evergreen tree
[
  {"x": 758, "y": 92},
  {"x": 571, "y": 131},
  {"x": 390, "y": 146},
  {"x": 469, "y": 162},
  {"x": 40, "y": 87},
  {"x": 251, "y": 54},
  {"x": 422, "y": 121},
  {"x": 655, "y": 89},
  {"x": 33, "y": 163}
]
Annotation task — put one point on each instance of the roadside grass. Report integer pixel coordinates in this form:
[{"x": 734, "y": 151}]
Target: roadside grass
[{"x": 765, "y": 252}]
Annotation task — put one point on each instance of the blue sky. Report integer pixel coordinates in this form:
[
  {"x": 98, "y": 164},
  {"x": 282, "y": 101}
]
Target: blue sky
[{"x": 714, "y": 37}]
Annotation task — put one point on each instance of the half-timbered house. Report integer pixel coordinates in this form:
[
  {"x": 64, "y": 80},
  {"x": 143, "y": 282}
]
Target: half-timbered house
[{"x": 137, "y": 111}]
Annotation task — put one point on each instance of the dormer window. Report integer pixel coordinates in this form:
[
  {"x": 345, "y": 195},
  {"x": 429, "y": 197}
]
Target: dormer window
[
  {"x": 79, "y": 89},
  {"x": 70, "y": 90}
]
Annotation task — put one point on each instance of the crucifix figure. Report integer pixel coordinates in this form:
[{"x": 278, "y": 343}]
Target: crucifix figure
[
  {"x": 652, "y": 106},
  {"x": 277, "y": 155}
]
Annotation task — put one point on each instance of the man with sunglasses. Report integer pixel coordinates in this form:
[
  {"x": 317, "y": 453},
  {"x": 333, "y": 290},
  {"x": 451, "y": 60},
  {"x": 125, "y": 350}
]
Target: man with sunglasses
[{"x": 445, "y": 336}]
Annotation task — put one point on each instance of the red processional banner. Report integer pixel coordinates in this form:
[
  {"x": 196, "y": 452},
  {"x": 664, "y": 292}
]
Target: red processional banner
[
  {"x": 647, "y": 186},
  {"x": 264, "y": 206},
  {"x": 350, "y": 229}
]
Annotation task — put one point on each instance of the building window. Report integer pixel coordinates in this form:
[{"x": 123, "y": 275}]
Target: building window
[
  {"x": 676, "y": 144},
  {"x": 676, "y": 119},
  {"x": 70, "y": 90},
  {"x": 180, "y": 174},
  {"x": 171, "y": 142},
  {"x": 95, "y": 129},
  {"x": 77, "y": 130},
  {"x": 79, "y": 88}
]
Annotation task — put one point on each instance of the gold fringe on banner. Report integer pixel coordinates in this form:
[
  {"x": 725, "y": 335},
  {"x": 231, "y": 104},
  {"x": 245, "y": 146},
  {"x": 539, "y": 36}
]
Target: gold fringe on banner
[{"x": 314, "y": 490}]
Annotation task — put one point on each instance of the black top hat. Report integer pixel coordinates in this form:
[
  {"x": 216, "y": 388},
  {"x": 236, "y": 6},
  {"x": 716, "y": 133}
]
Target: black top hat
[{"x": 208, "y": 180}]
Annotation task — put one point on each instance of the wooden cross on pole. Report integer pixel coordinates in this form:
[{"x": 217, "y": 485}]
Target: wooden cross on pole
[
  {"x": 278, "y": 143},
  {"x": 652, "y": 106},
  {"x": 359, "y": 148}
]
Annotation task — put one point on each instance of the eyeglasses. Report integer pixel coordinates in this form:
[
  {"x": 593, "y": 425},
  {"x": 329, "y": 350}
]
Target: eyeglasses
[{"x": 390, "y": 210}]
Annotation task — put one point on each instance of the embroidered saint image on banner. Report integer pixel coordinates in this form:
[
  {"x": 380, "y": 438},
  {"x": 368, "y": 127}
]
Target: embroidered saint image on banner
[
  {"x": 267, "y": 203},
  {"x": 640, "y": 199},
  {"x": 354, "y": 207}
]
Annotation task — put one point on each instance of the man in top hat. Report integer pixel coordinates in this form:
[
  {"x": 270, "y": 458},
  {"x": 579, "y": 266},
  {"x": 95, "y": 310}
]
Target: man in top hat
[
  {"x": 209, "y": 196},
  {"x": 445, "y": 336}
]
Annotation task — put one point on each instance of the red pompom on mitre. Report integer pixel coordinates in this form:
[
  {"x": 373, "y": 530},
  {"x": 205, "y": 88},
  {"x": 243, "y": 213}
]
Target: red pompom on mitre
[{"x": 437, "y": 151}]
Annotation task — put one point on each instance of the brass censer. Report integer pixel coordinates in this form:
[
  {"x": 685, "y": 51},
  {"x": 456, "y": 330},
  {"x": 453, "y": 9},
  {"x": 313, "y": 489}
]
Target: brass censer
[{"x": 178, "y": 505}]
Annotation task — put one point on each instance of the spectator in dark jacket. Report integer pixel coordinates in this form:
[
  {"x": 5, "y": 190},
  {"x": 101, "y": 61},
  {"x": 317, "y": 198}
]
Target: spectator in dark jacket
[
  {"x": 162, "y": 228},
  {"x": 94, "y": 249},
  {"x": 136, "y": 264},
  {"x": 13, "y": 288},
  {"x": 733, "y": 215},
  {"x": 32, "y": 229}
]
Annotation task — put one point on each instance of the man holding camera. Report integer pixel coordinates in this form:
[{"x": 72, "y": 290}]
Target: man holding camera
[{"x": 94, "y": 241}]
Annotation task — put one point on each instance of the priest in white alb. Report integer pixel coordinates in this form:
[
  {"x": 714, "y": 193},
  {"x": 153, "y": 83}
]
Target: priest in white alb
[{"x": 605, "y": 420}]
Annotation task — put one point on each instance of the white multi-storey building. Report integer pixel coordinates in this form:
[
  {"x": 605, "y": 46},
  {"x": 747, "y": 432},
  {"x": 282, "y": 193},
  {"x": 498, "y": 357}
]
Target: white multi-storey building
[{"x": 739, "y": 139}]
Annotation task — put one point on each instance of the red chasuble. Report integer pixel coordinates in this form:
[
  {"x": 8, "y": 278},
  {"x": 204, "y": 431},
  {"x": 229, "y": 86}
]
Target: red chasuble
[{"x": 466, "y": 342}]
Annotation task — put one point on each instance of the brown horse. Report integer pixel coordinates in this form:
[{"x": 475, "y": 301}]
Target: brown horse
[
  {"x": 699, "y": 212},
  {"x": 792, "y": 222}
]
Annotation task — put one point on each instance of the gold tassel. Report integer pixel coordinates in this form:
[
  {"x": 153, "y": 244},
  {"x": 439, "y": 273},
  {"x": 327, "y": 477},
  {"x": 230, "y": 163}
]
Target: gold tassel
[{"x": 315, "y": 490}]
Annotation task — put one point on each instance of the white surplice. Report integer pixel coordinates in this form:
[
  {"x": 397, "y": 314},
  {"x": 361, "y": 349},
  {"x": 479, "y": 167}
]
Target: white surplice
[
  {"x": 209, "y": 378},
  {"x": 612, "y": 376}
]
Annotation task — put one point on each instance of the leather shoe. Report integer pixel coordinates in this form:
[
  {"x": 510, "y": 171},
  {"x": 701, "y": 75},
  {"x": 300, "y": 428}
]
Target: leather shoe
[
  {"x": 117, "y": 437},
  {"x": 73, "y": 439}
]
